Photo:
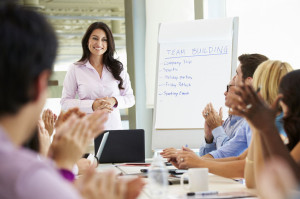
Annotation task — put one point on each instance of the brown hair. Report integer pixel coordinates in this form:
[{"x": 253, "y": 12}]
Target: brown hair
[
  {"x": 112, "y": 64},
  {"x": 249, "y": 63},
  {"x": 289, "y": 88}
]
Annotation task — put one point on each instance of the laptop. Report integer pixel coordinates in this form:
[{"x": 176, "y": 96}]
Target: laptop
[{"x": 121, "y": 146}]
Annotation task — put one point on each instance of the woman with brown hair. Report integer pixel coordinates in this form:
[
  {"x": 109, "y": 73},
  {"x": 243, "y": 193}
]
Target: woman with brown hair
[{"x": 98, "y": 79}]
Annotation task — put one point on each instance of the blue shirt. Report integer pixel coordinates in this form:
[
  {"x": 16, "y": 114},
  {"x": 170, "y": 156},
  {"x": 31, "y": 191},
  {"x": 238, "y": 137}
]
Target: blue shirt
[
  {"x": 279, "y": 124},
  {"x": 241, "y": 141},
  {"x": 222, "y": 134}
]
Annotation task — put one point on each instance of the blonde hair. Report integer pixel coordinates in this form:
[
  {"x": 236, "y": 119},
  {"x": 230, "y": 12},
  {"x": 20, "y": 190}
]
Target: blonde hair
[{"x": 267, "y": 76}]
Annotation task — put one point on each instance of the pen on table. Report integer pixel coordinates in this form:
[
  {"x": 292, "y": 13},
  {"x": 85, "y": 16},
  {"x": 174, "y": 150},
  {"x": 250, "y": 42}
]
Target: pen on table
[{"x": 202, "y": 193}]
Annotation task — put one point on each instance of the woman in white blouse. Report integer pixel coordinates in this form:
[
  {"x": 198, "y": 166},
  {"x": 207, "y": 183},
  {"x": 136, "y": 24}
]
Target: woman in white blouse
[{"x": 98, "y": 80}]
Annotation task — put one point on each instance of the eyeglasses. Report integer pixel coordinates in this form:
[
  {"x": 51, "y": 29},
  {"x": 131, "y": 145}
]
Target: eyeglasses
[{"x": 227, "y": 87}]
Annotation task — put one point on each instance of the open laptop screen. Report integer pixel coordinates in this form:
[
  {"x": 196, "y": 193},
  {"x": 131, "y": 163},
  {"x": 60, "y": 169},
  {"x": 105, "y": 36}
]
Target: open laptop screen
[{"x": 122, "y": 146}]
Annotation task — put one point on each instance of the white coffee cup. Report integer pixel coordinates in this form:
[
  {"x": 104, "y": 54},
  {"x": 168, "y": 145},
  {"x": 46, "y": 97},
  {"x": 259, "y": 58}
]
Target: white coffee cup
[{"x": 198, "y": 179}]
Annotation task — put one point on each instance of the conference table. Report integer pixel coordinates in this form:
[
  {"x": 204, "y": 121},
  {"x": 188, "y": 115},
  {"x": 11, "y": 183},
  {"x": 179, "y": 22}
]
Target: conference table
[{"x": 216, "y": 183}]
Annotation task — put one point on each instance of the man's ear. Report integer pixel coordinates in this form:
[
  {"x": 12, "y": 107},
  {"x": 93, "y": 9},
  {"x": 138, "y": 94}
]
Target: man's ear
[
  {"x": 42, "y": 83},
  {"x": 249, "y": 80}
]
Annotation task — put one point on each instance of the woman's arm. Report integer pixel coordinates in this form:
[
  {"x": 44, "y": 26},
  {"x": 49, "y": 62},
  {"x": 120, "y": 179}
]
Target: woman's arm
[
  {"x": 126, "y": 98},
  {"x": 261, "y": 117},
  {"x": 276, "y": 147},
  {"x": 229, "y": 169},
  {"x": 254, "y": 159}
]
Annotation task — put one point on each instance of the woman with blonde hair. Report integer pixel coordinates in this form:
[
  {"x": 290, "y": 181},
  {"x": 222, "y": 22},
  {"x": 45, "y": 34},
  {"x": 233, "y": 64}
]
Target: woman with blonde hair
[{"x": 267, "y": 75}]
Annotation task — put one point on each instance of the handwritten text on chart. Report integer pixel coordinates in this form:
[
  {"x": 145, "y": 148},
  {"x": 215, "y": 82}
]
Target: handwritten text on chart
[
  {"x": 171, "y": 93},
  {"x": 175, "y": 74},
  {"x": 177, "y": 63},
  {"x": 178, "y": 77},
  {"x": 174, "y": 85},
  {"x": 193, "y": 52}
]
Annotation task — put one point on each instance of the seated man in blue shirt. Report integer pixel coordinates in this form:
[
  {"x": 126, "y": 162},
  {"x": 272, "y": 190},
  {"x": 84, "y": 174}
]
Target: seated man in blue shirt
[
  {"x": 241, "y": 136},
  {"x": 237, "y": 135},
  {"x": 216, "y": 133},
  {"x": 223, "y": 161}
]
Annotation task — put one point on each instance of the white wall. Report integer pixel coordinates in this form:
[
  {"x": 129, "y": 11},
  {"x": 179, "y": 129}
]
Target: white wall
[{"x": 269, "y": 27}]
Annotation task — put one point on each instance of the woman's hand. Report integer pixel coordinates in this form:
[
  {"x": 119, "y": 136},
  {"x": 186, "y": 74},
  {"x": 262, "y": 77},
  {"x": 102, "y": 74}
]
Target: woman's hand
[
  {"x": 63, "y": 116},
  {"x": 188, "y": 159},
  {"x": 73, "y": 135},
  {"x": 106, "y": 103},
  {"x": 44, "y": 138},
  {"x": 96, "y": 121},
  {"x": 101, "y": 185},
  {"x": 247, "y": 103},
  {"x": 133, "y": 187},
  {"x": 276, "y": 180},
  {"x": 169, "y": 153},
  {"x": 70, "y": 141},
  {"x": 83, "y": 165},
  {"x": 49, "y": 119}
]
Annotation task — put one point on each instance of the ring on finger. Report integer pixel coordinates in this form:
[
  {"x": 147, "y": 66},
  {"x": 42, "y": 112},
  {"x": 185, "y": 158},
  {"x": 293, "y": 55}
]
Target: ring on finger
[
  {"x": 182, "y": 159},
  {"x": 248, "y": 106}
]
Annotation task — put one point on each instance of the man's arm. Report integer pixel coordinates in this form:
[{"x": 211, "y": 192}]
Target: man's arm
[
  {"x": 220, "y": 136},
  {"x": 209, "y": 145},
  {"x": 204, "y": 150},
  {"x": 237, "y": 145}
]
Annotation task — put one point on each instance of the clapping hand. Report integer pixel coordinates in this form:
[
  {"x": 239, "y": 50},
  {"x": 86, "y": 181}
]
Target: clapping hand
[
  {"x": 63, "y": 116},
  {"x": 246, "y": 102},
  {"x": 49, "y": 119},
  {"x": 106, "y": 185},
  {"x": 96, "y": 121},
  {"x": 212, "y": 118},
  {"x": 72, "y": 137},
  {"x": 94, "y": 185},
  {"x": 70, "y": 141},
  {"x": 44, "y": 138}
]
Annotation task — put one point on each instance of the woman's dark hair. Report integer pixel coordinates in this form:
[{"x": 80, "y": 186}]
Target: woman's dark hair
[
  {"x": 289, "y": 87},
  {"x": 28, "y": 48},
  {"x": 112, "y": 64}
]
